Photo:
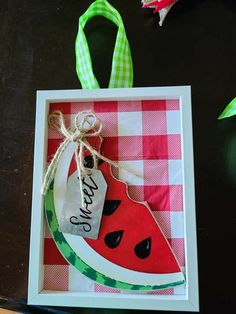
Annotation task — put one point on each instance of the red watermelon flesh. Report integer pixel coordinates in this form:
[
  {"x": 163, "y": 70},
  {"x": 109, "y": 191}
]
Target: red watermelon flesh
[{"x": 129, "y": 235}]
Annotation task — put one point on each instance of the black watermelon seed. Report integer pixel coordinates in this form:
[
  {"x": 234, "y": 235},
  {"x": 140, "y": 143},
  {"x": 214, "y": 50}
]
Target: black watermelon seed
[
  {"x": 143, "y": 248},
  {"x": 110, "y": 206},
  {"x": 113, "y": 239},
  {"x": 88, "y": 162}
]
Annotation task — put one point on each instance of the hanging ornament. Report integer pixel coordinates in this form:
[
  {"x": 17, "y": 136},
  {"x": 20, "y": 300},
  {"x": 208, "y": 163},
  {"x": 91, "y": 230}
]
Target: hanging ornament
[
  {"x": 161, "y": 6},
  {"x": 98, "y": 228}
]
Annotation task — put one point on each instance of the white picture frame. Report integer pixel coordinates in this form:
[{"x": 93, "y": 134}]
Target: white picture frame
[{"x": 36, "y": 294}]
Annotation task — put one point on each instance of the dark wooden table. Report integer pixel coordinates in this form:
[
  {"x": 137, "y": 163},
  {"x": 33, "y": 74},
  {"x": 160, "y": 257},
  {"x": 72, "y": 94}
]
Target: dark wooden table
[{"x": 196, "y": 46}]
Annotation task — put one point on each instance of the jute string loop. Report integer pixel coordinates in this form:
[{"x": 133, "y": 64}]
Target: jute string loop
[{"x": 86, "y": 125}]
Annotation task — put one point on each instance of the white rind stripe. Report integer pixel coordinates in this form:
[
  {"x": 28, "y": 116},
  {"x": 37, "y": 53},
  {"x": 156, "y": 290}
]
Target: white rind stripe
[{"x": 102, "y": 265}]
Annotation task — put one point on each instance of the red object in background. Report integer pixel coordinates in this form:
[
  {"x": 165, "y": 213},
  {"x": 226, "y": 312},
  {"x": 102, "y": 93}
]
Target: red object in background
[{"x": 159, "y": 5}]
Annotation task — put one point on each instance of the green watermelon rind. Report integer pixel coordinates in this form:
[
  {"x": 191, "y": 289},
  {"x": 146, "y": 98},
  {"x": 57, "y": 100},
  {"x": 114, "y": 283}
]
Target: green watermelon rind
[{"x": 72, "y": 258}]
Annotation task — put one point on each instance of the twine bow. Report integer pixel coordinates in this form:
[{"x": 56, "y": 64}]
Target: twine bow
[{"x": 86, "y": 125}]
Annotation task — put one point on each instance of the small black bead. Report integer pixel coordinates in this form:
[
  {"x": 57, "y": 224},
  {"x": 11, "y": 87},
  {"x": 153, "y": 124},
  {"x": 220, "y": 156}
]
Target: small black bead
[
  {"x": 143, "y": 248},
  {"x": 88, "y": 161},
  {"x": 110, "y": 207},
  {"x": 112, "y": 239}
]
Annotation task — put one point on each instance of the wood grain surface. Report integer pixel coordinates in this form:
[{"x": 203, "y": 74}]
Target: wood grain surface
[{"x": 195, "y": 46}]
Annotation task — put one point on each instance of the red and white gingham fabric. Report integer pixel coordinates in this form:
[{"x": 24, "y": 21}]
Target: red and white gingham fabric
[{"x": 146, "y": 136}]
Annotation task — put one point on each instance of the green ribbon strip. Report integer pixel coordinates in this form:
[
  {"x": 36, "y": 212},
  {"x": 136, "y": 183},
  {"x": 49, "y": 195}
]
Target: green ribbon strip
[
  {"x": 229, "y": 111},
  {"x": 122, "y": 66}
]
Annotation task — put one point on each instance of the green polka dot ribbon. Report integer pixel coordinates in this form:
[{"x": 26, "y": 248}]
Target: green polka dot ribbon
[{"x": 122, "y": 66}]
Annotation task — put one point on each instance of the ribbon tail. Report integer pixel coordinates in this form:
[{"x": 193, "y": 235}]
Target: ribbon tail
[
  {"x": 115, "y": 164},
  {"x": 79, "y": 162},
  {"x": 51, "y": 170}
]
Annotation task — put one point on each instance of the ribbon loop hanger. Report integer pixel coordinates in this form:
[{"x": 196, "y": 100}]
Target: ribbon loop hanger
[{"x": 122, "y": 66}]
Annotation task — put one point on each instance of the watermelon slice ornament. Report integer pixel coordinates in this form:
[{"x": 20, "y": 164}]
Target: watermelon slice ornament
[{"x": 131, "y": 252}]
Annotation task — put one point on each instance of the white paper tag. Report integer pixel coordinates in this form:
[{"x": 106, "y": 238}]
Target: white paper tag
[{"x": 85, "y": 221}]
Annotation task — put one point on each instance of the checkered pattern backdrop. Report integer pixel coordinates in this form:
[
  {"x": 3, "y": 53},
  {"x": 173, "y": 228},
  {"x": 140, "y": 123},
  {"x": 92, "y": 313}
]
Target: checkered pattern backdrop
[{"x": 145, "y": 136}]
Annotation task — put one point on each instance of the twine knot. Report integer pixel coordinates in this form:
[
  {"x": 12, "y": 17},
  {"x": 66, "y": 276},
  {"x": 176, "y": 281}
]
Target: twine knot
[{"x": 86, "y": 125}]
